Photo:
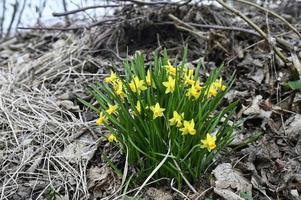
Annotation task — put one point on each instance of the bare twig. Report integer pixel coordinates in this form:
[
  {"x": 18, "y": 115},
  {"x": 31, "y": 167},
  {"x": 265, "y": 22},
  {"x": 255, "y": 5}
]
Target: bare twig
[
  {"x": 213, "y": 26},
  {"x": 15, "y": 7},
  {"x": 83, "y": 9},
  {"x": 186, "y": 27},
  {"x": 272, "y": 13},
  {"x": 70, "y": 28},
  {"x": 2, "y": 17},
  {"x": 178, "y": 3},
  {"x": 67, "y": 21},
  {"x": 21, "y": 13},
  {"x": 51, "y": 28}
]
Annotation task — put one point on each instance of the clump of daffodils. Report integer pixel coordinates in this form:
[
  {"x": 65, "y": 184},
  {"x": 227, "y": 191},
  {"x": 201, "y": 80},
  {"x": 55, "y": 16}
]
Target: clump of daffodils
[{"x": 165, "y": 114}]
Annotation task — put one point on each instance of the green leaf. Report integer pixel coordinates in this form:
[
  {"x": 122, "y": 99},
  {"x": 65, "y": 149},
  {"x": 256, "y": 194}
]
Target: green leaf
[{"x": 294, "y": 85}]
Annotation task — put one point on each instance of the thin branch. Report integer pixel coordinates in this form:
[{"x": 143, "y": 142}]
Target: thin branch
[
  {"x": 15, "y": 7},
  {"x": 67, "y": 21},
  {"x": 21, "y": 13},
  {"x": 70, "y": 28},
  {"x": 229, "y": 28},
  {"x": 51, "y": 28},
  {"x": 143, "y": 3},
  {"x": 83, "y": 9},
  {"x": 2, "y": 18},
  {"x": 294, "y": 29},
  {"x": 186, "y": 27}
]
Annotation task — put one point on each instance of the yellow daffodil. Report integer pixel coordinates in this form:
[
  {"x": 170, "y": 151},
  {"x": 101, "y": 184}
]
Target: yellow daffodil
[
  {"x": 193, "y": 92},
  {"x": 112, "y": 109},
  {"x": 197, "y": 85},
  {"x": 212, "y": 92},
  {"x": 171, "y": 70},
  {"x": 170, "y": 85},
  {"x": 188, "y": 128},
  {"x": 157, "y": 110},
  {"x": 148, "y": 78},
  {"x": 177, "y": 119},
  {"x": 137, "y": 85},
  {"x": 118, "y": 88},
  {"x": 189, "y": 81},
  {"x": 112, "y": 138},
  {"x": 102, "y": 118},
  {"x": 209, "y": 142},
  {"x": 188, "y": 78},
  {"x": 112, "y": 78},
  {"x": 218, "y": 85},
  {"x": 138, "y": 107}
]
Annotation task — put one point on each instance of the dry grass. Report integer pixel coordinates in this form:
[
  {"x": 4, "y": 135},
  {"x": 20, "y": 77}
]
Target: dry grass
[{"x": 42, "y": 151}]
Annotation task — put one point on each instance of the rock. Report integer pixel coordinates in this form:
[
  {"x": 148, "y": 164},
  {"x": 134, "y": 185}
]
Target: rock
[
  {"x": 227, "y": 178},
  {"x": 158, "y": 194}
]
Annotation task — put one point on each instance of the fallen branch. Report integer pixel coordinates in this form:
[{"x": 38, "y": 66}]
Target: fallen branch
[
  {"x": 213, "y": 26},
  {"x": 186, "y": 27}
]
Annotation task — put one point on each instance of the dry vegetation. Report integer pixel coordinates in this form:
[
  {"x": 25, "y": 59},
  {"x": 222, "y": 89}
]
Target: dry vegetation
[{"x": 51, "y": 148}]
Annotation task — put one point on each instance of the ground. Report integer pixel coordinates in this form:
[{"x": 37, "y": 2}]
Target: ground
[{"x": 51, "y": 148}]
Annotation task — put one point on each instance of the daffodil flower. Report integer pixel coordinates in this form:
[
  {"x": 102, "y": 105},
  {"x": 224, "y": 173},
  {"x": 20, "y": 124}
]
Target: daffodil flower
[
  {"x": 209, "y": 142},
  {"x": 112, "y": 109},
  {"x": 137, "y": 85},
  {"x": 212, "y": 92},
  {"x": 112, "y": 78},
  {"x": 170, "y": 85},
  {"x": 171, "y": 70},
  {"x": 138, "y": 107},
  {"x": 197, "y": 85},
  {"x": 189, "y": 81},
  {"x": 157, "y": 111},
  {"x": 188, "y": 78},
  {"x": 218, "y": 85},
  {"x": 102, "y": 118},
  {"x": 176, "y": 119},
  {"x": 193, "y": 92},
  {"x": 112, "y": 138},
  {"x": 118, "y": 88},
  {"x": 188, "y": 128},
  {"x": 148, "y": 79}
]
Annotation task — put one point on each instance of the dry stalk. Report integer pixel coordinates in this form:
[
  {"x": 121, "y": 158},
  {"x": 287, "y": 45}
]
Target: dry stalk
[{"x": 186, "y": 27}]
